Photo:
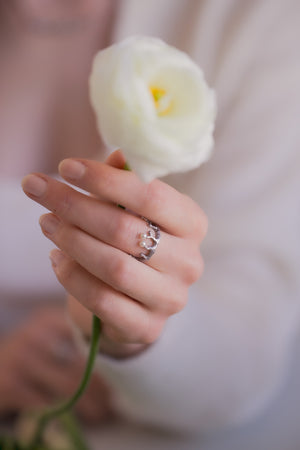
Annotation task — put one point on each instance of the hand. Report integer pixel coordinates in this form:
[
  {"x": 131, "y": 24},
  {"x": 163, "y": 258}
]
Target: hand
[
  {"x": 41, "y": 366},
  {"x": 133, "y": 299}
]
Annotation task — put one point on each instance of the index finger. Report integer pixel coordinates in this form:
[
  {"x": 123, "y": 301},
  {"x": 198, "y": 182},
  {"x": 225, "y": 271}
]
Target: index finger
[{"x": 159, "y": 202}]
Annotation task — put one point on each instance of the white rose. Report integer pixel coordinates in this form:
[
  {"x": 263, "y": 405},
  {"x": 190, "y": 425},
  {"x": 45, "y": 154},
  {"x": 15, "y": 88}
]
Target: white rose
[{"x": 151, "y": 100}]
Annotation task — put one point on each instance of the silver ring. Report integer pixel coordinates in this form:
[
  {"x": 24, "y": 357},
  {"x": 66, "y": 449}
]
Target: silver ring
[{"x": 153, "y": 236}]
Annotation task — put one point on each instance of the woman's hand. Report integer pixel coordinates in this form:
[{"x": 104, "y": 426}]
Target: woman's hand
[
  {"x": 132, "y": 298},
  {"x": 40, "y": 365}
]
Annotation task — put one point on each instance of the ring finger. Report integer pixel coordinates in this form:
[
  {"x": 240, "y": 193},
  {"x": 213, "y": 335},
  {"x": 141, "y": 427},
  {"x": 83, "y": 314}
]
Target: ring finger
[{"x": 125, "y": 274}]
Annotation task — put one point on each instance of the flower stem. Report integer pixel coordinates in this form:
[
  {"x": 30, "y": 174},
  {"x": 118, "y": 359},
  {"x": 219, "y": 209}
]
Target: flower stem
[
  {"x": 126, "y": 167},
  {"x": 70, "y": 424},
  {"x": 56, "y": 411}
]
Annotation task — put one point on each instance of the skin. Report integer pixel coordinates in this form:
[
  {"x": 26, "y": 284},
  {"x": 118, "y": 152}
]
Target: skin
[
  {"x": 95, "y": 239},
  {"x": 36, "y": 375}
]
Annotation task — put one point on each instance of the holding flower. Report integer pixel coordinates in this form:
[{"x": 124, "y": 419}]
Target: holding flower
[
  {"x": 152, "y": 101},
  {"x": 220, "y": 360}
]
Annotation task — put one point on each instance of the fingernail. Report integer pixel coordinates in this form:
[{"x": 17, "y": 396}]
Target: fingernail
[
  {"x": 71, "y": 169},
  {"x": 56, "y": 257},
  {"x": 34, "y": 185},
  {"x": 49, "y": 224}
]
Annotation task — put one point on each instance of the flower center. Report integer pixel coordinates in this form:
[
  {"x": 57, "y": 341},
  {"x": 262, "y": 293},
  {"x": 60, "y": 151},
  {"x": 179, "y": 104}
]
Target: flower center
[{"x": 163, "y": 102}]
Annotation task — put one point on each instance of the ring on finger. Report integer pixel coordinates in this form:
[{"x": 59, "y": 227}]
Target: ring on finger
[{"x": 149, "y": 241}]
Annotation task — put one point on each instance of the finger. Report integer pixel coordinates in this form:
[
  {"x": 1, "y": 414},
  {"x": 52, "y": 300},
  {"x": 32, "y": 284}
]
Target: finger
[
  {"x": 120, "y": 271},
  {"x": 117, "y": 227},
  {"x": 157, "y": 201},
  {"x": 116, "y": 159},
  {"x": 79, "y": 314},
  {"x": 82, "y": 317},
  {"x": 123, "y": 318},
  {"x": 124, "y": 231}
]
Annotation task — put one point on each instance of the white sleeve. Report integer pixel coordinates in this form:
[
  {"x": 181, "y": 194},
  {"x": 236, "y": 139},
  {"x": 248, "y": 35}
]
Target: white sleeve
[{"x": 222, "y": 358}]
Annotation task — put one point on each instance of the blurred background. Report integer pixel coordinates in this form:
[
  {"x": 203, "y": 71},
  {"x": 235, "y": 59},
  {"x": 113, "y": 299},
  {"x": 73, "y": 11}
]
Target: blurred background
[{"x": 46, "y": 50}]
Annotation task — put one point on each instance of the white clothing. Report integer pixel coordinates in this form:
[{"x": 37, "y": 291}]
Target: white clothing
[{"x": 224, "y": 357}]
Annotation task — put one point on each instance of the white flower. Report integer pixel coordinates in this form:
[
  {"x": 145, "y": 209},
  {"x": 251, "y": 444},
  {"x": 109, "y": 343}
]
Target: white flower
[{"x": 151, "y": 100}]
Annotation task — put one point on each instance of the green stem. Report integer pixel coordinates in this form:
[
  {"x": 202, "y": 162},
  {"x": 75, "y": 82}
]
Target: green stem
[
  {"x": 70, "y": 424},
  {"x": 127, "y": 167},
  {"x": 56, "y": 411}
]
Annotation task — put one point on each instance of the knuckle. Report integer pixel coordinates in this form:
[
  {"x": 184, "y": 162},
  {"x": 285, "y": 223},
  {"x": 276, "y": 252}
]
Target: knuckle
[
  {"x": 100, "y": 302},
  {"x": 116, "y": 335},
  {"x": 119, "y": 273},
  {"x": 65, "y": 237},
  {"x": 178, "y": 303},
  {"x": 200, "y": 224},
  {"x": 146, "y": 333},
  {"x": 121, "y": 229},
  {"x": 194, "y": 268},
  {"x": 64, "y": 205},
  {"x": 102, "y": 178},
  {"x": 199, "y": 267},
  {"x": 152, "y": 332},
  {"x": 147, "y": 337},
  {"x": 175, "y": 302},
  {"x": 64, "y": 272},
  {"x": 153, "y": 197},
  {"x": 93, "y": 300}
]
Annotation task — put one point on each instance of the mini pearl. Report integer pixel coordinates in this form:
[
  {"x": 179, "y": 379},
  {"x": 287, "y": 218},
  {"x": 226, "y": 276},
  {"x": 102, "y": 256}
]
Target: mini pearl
[
  {"x": 143, "y": 235},
  {"x": 143, "y": 244}
]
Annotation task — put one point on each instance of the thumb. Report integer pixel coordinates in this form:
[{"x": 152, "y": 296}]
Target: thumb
[{"x": 116, "y": 159}]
